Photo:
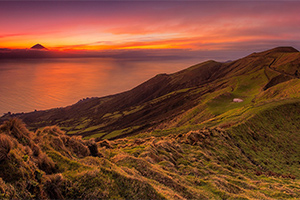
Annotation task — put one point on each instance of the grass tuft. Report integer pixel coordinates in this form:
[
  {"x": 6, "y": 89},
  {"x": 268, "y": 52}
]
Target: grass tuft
[{"x": 5, "y": 146}]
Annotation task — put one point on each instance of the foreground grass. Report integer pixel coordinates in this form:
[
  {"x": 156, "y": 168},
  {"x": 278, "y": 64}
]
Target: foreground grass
[{"x": 257, "y": 159}]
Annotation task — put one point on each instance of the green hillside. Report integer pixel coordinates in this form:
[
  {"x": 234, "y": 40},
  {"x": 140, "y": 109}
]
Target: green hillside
[
  {"x": 212, "y": 131},
  {"x": 244, "y": 162},
  {"x": 199, "y": 95}
]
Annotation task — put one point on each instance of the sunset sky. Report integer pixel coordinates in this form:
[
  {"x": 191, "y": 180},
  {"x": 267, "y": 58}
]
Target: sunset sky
[{"x": 123, "y": 25}]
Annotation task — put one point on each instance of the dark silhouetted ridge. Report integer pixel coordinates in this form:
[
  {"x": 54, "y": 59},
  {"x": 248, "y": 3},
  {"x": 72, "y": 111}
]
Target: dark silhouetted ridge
[{"x": 38, "y": 47}]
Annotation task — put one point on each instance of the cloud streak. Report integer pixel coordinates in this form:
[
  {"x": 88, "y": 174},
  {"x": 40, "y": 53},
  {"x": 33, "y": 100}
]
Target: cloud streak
[{"x": 154, "y": 25}]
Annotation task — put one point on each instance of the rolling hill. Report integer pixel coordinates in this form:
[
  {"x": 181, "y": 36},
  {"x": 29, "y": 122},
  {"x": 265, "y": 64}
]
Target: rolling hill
[
  {"x": 175, "y": 136},
  {"x": 199, "y": 95}
]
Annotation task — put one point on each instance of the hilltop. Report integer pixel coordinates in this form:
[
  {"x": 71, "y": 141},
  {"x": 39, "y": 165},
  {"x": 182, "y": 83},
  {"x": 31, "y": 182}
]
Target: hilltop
[{"x": 212, "y": 131}]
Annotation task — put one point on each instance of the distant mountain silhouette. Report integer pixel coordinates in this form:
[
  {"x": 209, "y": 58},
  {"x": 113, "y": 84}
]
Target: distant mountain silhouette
[{"x": 38, "y": 47}]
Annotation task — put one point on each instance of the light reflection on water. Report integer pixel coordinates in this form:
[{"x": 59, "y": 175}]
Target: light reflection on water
[{"x": 26, "y": 85}]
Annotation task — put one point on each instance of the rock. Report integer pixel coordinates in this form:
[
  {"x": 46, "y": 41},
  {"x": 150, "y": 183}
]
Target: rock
[{"x": 237, "y": 100}]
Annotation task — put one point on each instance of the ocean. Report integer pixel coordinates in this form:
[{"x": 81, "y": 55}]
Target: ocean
[{"x": 39, "y": 84}]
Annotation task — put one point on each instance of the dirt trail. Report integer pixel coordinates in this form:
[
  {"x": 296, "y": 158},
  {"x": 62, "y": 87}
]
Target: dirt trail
[
  {"x": 275, "y": 70},
  {"x": 269, "y": 66}
]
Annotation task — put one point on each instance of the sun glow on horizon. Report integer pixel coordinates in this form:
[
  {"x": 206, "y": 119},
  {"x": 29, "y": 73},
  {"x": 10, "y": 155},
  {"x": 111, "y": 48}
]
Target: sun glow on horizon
[{"x": 97, "y": 26}]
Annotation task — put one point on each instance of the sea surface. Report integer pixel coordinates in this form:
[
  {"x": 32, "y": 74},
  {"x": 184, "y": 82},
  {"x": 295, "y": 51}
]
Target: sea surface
[{"x": 28, "y": 85}]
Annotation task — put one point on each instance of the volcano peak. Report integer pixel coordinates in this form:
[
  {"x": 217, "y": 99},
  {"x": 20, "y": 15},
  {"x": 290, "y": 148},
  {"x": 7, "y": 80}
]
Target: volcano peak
[{"x": 38, "y": 47}]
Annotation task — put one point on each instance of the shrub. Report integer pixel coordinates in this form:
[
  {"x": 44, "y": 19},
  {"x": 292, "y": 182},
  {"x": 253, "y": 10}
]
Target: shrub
[
  {"x": 28, "y": 151},
  {"x": 36, "y": 150},
  {"x": 46, "y": 164},
  {"x": 105, "y": 143},
  {"x": 5, "y": 146},
  {"x": 50, "y": 130},
  {"x": 52, "y": 186},
  {"x": 93, "y": 147},
  {"x": 7, "y": 191},
  {"x": 76, "y": 146},
  {"x": 57, "y": 143},
  {"x": 16, "y": 128}
]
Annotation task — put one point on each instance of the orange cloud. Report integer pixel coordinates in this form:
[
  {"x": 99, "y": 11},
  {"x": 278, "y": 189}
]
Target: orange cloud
[{"x": 142, "y": 25}]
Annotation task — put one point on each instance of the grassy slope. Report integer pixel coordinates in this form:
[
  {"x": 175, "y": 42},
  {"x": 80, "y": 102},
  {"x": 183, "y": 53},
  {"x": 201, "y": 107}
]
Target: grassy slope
[
  {"x": 255, "y": 153},
  {"x": 200, "y": 95},
  {"x": 213, "y": 105},
  {"x": 244, "y": 162}
]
